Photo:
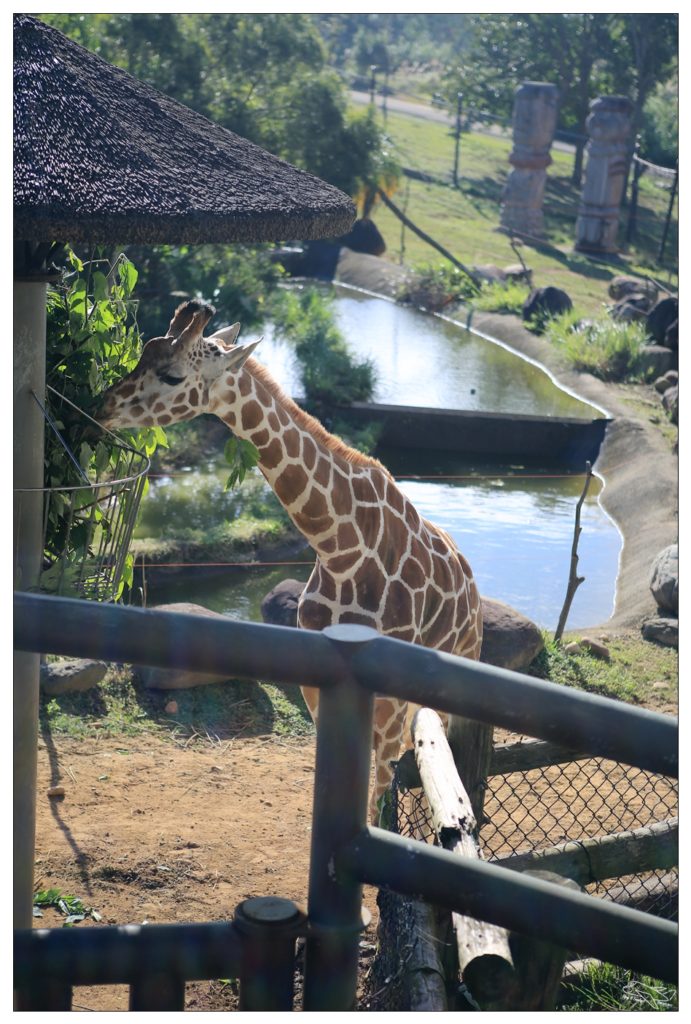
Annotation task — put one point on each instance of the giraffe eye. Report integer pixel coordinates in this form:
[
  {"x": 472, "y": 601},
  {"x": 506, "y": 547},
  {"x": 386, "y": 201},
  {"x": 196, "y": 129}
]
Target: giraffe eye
[{"x": 169, "y": 378}]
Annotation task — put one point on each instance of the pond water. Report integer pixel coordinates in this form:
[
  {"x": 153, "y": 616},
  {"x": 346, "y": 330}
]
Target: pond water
[
  {"x": 516, "y": 531},
  {"x": 513, "y": 523},
  {"x": 424, "y": 361}
]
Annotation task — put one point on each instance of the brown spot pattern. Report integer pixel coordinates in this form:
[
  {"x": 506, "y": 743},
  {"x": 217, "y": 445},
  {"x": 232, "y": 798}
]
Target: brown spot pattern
[
  {"x": 252, "y": 415},
  {"x": 290, "y": 484}
]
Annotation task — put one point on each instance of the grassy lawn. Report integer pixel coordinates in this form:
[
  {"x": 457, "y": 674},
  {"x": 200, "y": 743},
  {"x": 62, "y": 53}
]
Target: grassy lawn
[{"x": 466, "y": 220}]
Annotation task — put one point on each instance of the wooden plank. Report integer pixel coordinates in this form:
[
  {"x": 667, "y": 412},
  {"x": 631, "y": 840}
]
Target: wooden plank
[
  {"x": 654, "y": 847},
  {"x": 530, "y": 754},
  {"x": 484, "y": 957}
]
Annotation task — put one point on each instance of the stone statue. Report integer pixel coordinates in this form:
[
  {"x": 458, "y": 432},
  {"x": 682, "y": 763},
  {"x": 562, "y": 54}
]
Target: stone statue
[
  {"x": 534, "y": 121},
  {"x": 609, "y": 127}
]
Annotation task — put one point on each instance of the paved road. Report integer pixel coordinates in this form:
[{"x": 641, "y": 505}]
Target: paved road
[{"x": 427, "y": 113}]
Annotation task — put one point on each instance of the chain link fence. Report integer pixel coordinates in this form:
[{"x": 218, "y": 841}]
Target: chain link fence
[{"x": 525, "y": 812}]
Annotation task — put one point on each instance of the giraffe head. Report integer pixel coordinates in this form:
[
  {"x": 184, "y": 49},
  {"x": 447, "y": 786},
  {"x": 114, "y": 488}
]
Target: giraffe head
[{"x": 175, "y": 373}]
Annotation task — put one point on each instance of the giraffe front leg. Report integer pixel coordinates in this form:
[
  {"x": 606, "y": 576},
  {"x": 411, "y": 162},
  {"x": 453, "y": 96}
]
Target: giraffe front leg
[{"x": 389, "y": 723}]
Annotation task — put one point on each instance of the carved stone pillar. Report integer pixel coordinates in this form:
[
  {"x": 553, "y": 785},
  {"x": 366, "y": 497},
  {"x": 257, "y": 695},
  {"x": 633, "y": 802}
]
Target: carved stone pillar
[
  {"x": 534, "y": 121},
  {"x": 609, "y": 126}
]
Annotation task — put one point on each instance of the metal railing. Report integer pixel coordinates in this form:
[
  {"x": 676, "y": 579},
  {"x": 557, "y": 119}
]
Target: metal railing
[{"x": 349, "y": 664}]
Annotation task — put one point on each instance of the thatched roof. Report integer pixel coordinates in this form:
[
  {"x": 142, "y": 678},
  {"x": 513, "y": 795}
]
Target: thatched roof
[{"x": 101, "y": 157}]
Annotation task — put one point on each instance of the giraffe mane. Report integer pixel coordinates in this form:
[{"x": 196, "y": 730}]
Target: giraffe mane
[{"x": 310, "y": 423}]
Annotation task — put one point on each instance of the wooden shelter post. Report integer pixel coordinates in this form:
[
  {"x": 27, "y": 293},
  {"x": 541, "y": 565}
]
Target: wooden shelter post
[{"x": 28, "y": 377}]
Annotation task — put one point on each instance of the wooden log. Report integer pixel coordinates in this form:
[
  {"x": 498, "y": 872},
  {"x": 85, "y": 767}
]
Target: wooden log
[
  {"x": 471, "y": 746},
  {"x": 539, "y": 965},
  {"x": 653, "y": 847},
  {"x": 425, "y": 970},
  {"x": 529, "y": 754},
  {"x": 484, "y": 957},
  {"x": 660, "y": 895}
]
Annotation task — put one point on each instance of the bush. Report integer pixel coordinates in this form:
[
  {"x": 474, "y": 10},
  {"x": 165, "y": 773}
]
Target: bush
[
  {"x": 435, "y": 285},
  {"x": 502, "y": 297},
  {"x": 329, "y": 374},
  {"x": 606, "y": 348}
]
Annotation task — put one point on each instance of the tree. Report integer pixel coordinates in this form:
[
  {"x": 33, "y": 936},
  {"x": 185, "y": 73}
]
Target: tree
[{"x": 582, "y": 54}]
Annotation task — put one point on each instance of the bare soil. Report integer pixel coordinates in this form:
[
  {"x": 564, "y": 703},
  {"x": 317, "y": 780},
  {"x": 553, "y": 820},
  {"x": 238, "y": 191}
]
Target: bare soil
[{"x": 150, "y": 830}]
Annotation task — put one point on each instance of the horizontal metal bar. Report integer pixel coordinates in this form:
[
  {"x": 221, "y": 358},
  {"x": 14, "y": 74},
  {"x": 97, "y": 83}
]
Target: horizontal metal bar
[
  {"x": 535, "y": 707},
  {"x": 485, "y": 693},
  {"x": 479, "y": 889},
  {"x": 169, "y": 639},
  {"x": 120, "y": 955}
]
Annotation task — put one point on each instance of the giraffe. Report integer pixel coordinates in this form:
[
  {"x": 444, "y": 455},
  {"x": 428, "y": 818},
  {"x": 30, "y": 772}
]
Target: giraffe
[{"x": 378, "y": 562}]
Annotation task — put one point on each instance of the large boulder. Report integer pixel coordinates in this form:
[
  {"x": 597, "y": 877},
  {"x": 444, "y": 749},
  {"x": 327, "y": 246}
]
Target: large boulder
[
  {"x": 364, "y": 236},
  {"x": 661, "y": 317},
  {"x": 631, "y": 309},
  {"x": 672, "y": 336},
  {"x": 670, "y": 401},
  {"x": 621, "y": 287},
  {"x": 280, "y": 606},
  {"x": 667, "y": 381},
  {"x": 664, "y": 579},
  {"x": 656, "y": 360},
  {"x": 71, "y": 675},
  {"x": 179, "y": 678},
  {"x": 543, "y": 303},
  {"x": 661, "y": 629},
  {"x": 509, "y": 639}
]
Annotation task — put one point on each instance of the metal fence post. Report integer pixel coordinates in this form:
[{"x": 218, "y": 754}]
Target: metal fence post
[
  {"x": 269, "y": 927},
  {"x": 341, "y": 784}
]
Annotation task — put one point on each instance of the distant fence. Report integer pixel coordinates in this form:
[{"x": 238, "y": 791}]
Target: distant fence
[{"x": 646, "y": 221}]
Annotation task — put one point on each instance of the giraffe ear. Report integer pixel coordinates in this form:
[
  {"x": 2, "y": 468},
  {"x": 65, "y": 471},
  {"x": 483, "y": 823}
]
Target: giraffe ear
[
  {"x": 239, "y": 354},
  {"x": 227, "y": 335}
]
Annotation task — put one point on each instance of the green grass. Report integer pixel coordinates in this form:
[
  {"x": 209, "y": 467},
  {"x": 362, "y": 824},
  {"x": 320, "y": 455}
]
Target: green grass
[
  {"x": 635, "y": 666},
  {"x": 466, "y": 220},
  {"x": 501, "y": 298},
  {"x": 607, "y": 348},
  {"x": 606, "y": 988},
  {"x": 121, "y": 706}
]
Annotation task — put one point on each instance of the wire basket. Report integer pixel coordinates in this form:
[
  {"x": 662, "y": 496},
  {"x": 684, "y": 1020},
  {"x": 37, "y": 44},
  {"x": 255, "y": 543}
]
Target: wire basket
[{"x": 87, "y": 555}]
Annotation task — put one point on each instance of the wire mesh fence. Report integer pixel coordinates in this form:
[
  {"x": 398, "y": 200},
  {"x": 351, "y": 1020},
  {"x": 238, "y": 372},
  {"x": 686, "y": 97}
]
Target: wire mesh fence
[{"x": 528, "y": 811}]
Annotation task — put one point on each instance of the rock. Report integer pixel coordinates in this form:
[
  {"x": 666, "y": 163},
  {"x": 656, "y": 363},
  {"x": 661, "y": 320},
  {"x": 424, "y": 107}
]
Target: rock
[
  {"x": 670, "y": 401},
  {"x": 660, "y": 317},
  {"x": 546, "y": 302},
  {"x": 621, "y": 287},
  {"x": 510, "y": 639},
  {"x": 573, "y": 648},
  {"x": 71, "y": 676},
  {"x": 634, "y": 307},
  {"x": 364, "y": 236},
  {"x": 672, "y": 336},
  {"x": 518, "y": 274},
  {"x": 56, "y": 793},
  {"x": 490, "y": 272},
  {"x": 280, "y": 606},
  {"x": 661, "y": 629},
  {"x": 175, "y": 678},
  {"x": 171, "y": 707},
  {"x": 664, "y": 579},
  {"x": 594, "y": 647},
  {"x": 668, "y": 380},
  {"x": 656, "y": 360}
]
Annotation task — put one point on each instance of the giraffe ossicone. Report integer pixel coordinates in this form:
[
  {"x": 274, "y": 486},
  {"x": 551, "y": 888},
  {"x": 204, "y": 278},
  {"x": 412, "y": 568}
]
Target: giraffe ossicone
[{"x": 378, "y": 562}]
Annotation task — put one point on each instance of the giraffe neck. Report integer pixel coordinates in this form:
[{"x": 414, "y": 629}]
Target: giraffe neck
[{"x": 314, "y": 475}]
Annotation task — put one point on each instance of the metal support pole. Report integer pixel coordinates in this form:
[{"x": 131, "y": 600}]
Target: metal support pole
[
  {"x": 29, "y": 376},
  {"x": 341, "y": 784},
  {"x": 459, "y": 111},
  {"x": 668, "y": 218},
  {"x": 268, "y": 926},
  {"x": 157, "y": 990}
]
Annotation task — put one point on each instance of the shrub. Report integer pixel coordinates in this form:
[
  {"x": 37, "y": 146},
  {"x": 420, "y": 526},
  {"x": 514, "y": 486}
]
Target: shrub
[
  {"x": 502, "y": 297},
  {"x": 606, "y": 348},
  {"x": 435, "y": 285},
  {"x": 329, "y": 374}
]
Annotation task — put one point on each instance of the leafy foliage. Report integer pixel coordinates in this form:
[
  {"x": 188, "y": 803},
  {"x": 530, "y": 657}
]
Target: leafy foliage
[
  {"x": 607, "y": 348},
  {"x": 499, "y": 297},
  {"x": 329, "y": 374},
  {"x": 72, "y": 907},
  {"x": 92, "y": 341}
]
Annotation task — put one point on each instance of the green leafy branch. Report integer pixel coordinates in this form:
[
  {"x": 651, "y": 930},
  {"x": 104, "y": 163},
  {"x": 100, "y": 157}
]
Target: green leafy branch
[{"x": 241, "y": 456}]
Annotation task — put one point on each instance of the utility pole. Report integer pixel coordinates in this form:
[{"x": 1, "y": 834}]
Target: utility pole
[
  {"x": 373, "y": 81},
  {"x": 459, "y": 111}
]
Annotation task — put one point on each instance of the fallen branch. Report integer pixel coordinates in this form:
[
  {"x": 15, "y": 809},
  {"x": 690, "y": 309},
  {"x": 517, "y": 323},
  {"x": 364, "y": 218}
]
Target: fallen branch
[
  {"x": 574, "y": 579},
  {"x": 426, "y": 238}
]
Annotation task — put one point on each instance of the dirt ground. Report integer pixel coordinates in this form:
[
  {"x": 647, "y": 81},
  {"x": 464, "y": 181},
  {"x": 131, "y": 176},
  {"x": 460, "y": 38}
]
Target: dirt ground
[{"x": 149, "y": 830}]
